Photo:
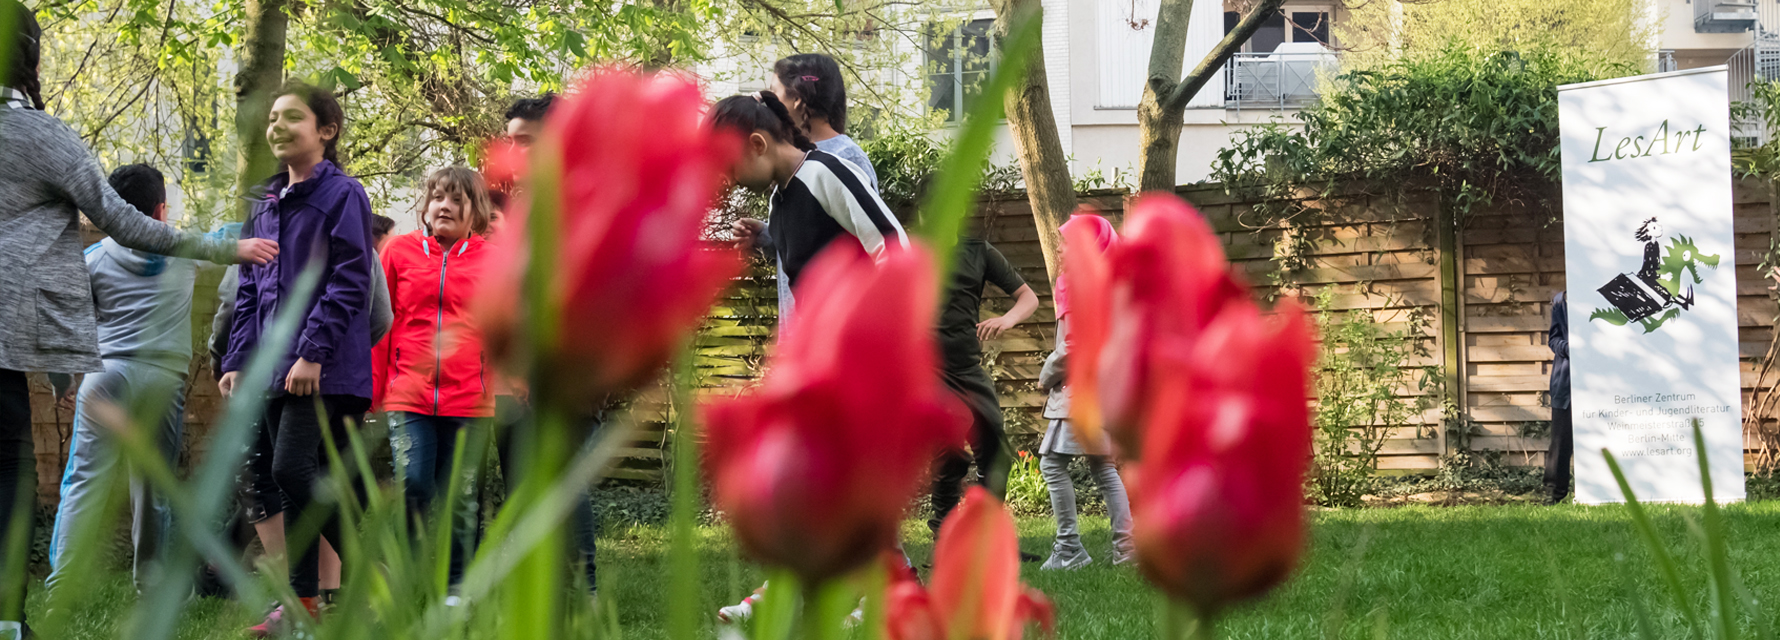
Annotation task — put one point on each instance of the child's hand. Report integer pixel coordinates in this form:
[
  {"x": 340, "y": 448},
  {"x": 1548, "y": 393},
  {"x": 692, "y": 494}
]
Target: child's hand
[
  {"x": 304, "y": 378},
  {"x": 747, "y": 231},
  {"x": 993, "y": 328},
  {"x": 256, "y": 250},
  {"x": 226, "y": 384}
]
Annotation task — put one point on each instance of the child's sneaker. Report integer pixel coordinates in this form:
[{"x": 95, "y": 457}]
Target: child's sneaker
[
  {"x": 278, "y": 621},
  {"x": 739, "y": 611},
  {"x": 1063, "y": 559}
]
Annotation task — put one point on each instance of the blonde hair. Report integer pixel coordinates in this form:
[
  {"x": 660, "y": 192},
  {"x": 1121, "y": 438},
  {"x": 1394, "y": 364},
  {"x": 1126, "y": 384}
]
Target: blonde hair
[{"x": 479, "y": 208}]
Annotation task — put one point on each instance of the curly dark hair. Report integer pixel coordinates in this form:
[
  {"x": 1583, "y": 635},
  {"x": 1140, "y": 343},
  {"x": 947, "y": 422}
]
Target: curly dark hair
[{"x": 815, "y": 79}]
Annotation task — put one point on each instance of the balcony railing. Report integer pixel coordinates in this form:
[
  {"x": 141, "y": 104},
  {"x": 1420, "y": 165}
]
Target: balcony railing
[{"x": 1286, "y": 78}]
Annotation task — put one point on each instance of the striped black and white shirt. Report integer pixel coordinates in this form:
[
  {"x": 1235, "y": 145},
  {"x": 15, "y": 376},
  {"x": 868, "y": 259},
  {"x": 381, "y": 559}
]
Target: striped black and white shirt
[{"x": 827, "y": 199}]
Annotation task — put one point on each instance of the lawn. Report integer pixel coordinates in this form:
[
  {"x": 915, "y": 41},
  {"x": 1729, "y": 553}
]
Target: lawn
[{"x": 1509, "y": 572}]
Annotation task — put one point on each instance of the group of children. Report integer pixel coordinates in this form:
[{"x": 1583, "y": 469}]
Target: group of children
[{"x": 388, "y": 327}]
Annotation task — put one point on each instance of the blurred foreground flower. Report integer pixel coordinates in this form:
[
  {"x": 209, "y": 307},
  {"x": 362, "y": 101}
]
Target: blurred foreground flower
[
  {"x": 1087, "y": 319},
  {"x": 1207, "y": 397},
  {"x": 816, "y": 467},
  {"x": 975, "y": 593},
  {"x": 627, "y": 173}
]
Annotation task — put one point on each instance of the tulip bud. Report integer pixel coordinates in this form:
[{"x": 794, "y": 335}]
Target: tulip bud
[
  {"x": 815, "y": 468},
  {"x": 631, "y": 174},
  {"x": 975, "y": 591},
  {"x": 1218, "y": 499},
  {"x": 1206, "y": 399}
]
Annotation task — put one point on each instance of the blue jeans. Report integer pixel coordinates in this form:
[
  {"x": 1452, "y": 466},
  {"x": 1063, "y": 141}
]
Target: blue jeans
[
  {"x": 424, "y": 446},
  {"x": 93, "y": 459}
]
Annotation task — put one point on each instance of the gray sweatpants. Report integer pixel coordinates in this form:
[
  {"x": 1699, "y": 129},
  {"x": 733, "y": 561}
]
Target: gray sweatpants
[
  {"x": 94, "y": 461},
  {"x": 1068, "y": 547}
]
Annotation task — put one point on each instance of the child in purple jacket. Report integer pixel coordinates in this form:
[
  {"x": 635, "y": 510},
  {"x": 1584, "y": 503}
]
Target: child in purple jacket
[{"x": 323, "y": 219}]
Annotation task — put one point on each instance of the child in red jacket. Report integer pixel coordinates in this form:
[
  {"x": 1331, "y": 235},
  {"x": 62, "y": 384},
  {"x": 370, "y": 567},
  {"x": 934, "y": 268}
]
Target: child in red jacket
[{"x": 439, "y": 382}]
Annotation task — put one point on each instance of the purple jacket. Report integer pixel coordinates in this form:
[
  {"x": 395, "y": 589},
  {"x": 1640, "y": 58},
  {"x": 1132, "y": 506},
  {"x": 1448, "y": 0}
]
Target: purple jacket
[{"x": 325, "y": 218}]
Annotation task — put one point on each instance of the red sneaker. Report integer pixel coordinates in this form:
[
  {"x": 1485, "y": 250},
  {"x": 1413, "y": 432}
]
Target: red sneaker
[{"x": 277, "y": 622}]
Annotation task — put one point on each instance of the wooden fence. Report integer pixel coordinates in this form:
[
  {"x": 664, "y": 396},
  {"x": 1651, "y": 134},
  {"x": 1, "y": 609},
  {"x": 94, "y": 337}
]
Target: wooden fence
[{"x": 1479, "y": 296}]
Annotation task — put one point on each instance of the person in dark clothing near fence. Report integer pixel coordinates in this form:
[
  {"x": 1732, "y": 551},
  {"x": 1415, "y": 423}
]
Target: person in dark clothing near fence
[
  {"x": 1557, "y": 459},
  {"x": 961, "y": 337}
]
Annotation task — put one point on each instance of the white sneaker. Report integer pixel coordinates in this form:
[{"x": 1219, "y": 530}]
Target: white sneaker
[
  {"x": 740, "y": 611},
  {"x": 1066, "y": 560}
]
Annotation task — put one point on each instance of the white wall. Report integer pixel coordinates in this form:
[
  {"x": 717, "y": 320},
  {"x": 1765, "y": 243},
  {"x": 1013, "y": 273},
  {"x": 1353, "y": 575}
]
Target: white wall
[{"x": 1676, "y": 18}]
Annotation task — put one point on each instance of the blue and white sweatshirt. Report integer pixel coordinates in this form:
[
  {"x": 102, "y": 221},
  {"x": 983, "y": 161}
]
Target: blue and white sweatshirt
[{"x": 144, "y": 304}]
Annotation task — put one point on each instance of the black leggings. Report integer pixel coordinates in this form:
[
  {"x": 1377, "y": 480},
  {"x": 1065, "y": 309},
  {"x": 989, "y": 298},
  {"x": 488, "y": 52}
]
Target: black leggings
[
  {"x": 18, "y": 488},
  {"x": 299, "y": 462}
]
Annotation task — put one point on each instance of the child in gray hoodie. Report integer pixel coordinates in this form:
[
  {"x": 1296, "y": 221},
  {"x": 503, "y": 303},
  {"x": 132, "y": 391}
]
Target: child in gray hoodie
[{"x": 144, "y": 303}]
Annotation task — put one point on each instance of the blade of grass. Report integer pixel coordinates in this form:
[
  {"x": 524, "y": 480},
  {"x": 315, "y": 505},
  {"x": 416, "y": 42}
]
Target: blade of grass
[
  {"x": 214, "y": 482},
  {"x": 1665, "y": 563},
  {"x": 1717, "y": 552},
  {"x": 960, "y": 175}
]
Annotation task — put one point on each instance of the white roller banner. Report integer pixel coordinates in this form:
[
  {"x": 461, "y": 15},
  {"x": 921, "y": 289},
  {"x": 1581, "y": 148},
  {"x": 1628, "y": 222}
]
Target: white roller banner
[{"x": 1651, "y": 284}]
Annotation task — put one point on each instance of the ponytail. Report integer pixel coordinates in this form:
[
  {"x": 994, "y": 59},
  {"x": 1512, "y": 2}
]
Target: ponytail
[
  {"x": 760, "y": 112},
  {"x": 798, "y": 139}
]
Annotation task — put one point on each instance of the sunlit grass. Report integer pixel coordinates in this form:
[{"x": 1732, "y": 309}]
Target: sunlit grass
[{"x": 1509, "y": 572}]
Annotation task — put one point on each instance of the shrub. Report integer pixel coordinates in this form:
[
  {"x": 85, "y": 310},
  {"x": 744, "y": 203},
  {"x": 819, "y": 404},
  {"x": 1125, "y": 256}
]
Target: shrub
[{"x": 1359, "y": 374}]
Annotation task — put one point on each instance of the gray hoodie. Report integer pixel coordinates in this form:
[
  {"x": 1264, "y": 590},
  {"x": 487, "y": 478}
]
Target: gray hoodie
[{"x": 144, "y": 304}]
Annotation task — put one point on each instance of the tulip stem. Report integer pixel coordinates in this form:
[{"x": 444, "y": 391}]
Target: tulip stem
[
  {"x": 683, "y": 570},
  {"x": 1183, "y": 623},
  {"x": 825, "y": 606}
]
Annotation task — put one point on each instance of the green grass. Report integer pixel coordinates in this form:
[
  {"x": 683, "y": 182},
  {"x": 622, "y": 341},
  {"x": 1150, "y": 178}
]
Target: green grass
[{"x": 1510, "y": 572}]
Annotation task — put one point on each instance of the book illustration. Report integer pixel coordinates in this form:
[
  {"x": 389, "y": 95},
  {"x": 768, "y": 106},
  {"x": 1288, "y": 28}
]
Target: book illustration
[{"x": 1657, "y": 293}]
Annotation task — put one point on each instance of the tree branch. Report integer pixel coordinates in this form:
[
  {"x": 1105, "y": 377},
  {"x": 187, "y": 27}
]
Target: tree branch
[{"x": 1182, "y": 93}]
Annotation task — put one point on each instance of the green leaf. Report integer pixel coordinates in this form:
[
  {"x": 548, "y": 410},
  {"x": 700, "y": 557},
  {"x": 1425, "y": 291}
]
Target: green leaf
[{"x": 342, "y": 78}]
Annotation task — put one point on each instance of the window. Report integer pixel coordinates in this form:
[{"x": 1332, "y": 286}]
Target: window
[
  {"x": 1290, "y": 25},
  {"x": 958, "y": 66}
]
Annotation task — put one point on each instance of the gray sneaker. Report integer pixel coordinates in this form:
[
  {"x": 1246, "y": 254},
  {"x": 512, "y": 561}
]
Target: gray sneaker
[{"x": 1066, "y": 559}]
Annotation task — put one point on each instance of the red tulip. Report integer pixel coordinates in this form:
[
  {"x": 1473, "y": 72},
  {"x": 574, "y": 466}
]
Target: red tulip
[
  {"x": 976, "y": 592},
  {"x": 1153, "y": 291},
  {"x": 1081, "y": 296},
  {"x": 816, "y": 467},
  {"x": 1208, "y": 397},
  {"x": 635, "y": 172}
]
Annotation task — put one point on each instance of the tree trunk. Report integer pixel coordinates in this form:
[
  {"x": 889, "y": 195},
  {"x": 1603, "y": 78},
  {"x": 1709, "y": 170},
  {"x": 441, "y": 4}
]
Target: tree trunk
[
  {"x": 262, "y": 70},
  {"x": 1042, "y": 162},
  {"x": 1165, "y": 98}
]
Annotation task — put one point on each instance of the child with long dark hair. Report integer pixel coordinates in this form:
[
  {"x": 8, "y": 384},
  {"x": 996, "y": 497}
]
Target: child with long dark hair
[
  {"x": 816, "y": 197},
  {"x": 324, "y": 217},
  {"x": 439, "y": 381},
  {"x": 811, "y": 86},
  {"x": 47, "y": 319}
]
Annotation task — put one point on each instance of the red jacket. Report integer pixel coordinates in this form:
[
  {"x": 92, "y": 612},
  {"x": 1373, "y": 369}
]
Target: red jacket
[{"x": 436, "y": 364}]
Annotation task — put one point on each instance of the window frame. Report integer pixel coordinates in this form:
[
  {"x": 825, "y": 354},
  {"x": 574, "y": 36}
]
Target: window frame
[{"x": 954, "y": 45}]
